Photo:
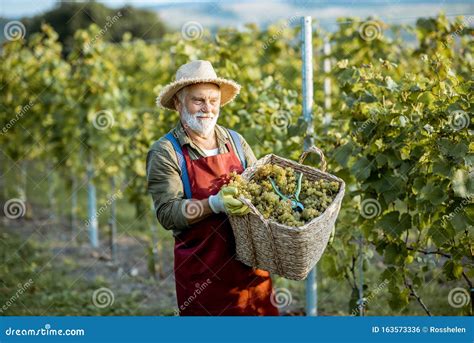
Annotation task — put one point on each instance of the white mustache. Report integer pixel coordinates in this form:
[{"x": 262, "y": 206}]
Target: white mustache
[{"x": 204, "y": 115}]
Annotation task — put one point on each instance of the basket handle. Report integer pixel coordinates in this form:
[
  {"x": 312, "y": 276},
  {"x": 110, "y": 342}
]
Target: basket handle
[
  {"x": 247, "y": 202},
  {"x": 316, "y": 150}
]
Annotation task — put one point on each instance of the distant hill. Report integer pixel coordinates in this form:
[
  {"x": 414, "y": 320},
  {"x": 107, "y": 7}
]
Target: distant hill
[{"x": 68, "y": 17}]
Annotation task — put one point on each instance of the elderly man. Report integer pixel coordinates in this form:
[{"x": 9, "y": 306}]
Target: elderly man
[{"x": 187, "y": 171}]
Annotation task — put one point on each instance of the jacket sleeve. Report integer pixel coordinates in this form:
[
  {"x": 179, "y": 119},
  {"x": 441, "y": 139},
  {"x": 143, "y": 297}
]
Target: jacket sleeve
[
  {"x": 165, "y": 186},
  {"x": 248, "y": 152}
]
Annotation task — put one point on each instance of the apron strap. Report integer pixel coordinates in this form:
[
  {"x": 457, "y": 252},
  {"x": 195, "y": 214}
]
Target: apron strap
[
  {"x": 238, "y": 146},
  {"x": 181, "y": 163}
]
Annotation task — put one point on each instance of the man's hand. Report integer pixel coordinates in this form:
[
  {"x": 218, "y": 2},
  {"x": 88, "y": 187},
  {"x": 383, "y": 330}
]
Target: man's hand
[{"x": 225, "y": 201}]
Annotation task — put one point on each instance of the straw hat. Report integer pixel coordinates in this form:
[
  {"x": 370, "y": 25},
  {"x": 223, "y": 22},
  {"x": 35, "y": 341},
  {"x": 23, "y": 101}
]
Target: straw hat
[{"x": 197, "y": 72}]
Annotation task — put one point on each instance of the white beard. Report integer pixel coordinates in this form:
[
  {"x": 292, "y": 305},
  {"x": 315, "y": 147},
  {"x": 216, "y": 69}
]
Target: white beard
[{"x": 203, "y": 127}]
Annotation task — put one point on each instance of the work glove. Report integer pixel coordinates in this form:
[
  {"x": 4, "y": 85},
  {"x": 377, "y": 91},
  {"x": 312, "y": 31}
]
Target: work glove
[{"x": 226, "y": 201}]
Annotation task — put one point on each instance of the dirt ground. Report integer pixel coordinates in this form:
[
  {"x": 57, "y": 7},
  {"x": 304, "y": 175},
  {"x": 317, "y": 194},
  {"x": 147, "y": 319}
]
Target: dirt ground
[{"x": 129, "y": 272}]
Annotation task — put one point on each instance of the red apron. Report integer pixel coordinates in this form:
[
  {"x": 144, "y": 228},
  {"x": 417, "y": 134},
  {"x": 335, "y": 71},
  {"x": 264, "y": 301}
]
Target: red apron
[{"x": 209, "y": 280}]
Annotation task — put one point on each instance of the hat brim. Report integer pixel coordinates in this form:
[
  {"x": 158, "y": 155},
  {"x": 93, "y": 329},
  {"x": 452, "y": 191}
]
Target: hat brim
[{"x": 229, "y": 90}]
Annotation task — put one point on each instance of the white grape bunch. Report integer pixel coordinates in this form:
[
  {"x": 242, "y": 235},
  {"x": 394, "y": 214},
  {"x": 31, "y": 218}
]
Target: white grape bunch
[{"x": 316, "y": 196}]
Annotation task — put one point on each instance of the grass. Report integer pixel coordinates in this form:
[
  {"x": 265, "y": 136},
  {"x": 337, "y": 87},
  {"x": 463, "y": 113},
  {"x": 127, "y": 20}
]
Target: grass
[{"x": 32, "y": 284}]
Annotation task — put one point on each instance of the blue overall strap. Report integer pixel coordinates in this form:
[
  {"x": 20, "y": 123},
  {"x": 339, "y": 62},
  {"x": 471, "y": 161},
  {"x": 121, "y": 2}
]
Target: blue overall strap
[
  {"x": 181, "y": 163},
  {"x": 238, "y": 145}
]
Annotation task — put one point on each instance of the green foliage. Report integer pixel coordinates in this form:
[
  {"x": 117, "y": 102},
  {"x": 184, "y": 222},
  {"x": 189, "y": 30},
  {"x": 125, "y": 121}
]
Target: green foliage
[{"x": 405, "y": 150}]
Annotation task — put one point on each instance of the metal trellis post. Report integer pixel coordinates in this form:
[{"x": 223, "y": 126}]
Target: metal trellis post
[
  {"x": 113, "y": 222},
  {"x": 92, "y": 205},
  {"x": 361, "y": 301},
  {"x": 307, "y": 56},
  {"x": 327, "y": 84}
]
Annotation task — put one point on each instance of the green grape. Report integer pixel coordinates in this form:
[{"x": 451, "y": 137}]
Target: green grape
[{"x": 316, "y": 195}]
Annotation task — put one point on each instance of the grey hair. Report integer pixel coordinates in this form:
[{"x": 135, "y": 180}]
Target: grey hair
[{"x": 181, "y": 94}]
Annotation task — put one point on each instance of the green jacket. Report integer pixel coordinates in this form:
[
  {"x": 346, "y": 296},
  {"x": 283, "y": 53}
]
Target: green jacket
[{"x": 164, "y": 176}]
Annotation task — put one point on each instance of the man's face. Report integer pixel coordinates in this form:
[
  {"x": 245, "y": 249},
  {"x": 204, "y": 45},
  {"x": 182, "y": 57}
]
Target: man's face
[{"x": 199, "y": 107}]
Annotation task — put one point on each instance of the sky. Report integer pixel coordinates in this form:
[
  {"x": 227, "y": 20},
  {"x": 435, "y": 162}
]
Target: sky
[{"x": 237, "y": 13}]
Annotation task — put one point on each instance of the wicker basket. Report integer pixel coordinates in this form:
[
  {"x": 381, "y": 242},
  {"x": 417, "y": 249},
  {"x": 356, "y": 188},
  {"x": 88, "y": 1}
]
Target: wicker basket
[{"x": 284, "y": 250}]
